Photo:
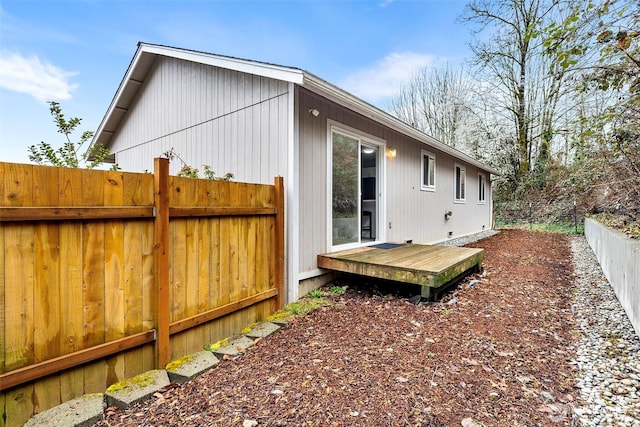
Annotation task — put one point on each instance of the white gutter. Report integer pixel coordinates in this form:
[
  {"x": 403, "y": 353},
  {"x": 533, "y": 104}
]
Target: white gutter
[{"x": 335, "y": 94}]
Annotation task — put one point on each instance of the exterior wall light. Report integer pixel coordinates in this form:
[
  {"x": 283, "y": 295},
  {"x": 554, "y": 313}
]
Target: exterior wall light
[
  {"x": 391, "y": 153},
  {"x": 314, "y": 112}
]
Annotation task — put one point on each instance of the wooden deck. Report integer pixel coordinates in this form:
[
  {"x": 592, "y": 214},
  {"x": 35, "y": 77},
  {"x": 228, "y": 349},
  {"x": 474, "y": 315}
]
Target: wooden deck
[{"x": 430, "y": 266}]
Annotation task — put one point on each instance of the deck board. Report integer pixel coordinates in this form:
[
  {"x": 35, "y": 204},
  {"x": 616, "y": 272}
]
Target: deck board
[{"x": 430, "y": 266}]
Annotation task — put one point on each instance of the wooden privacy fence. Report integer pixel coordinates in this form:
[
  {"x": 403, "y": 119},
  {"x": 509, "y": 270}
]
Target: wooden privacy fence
[{"x": 105, "y": 275}]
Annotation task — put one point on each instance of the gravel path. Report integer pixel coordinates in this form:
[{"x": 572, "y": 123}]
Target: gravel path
[{"x": 608, "y": 354}]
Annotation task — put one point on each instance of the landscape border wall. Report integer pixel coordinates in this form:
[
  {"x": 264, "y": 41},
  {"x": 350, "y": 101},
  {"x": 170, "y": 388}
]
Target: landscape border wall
[{"x": 619, "y": 257}]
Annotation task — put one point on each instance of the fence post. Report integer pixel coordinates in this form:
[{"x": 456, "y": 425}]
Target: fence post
[
  {"x": 279, "y": 242},
  {"x": 161, "y": 260}
]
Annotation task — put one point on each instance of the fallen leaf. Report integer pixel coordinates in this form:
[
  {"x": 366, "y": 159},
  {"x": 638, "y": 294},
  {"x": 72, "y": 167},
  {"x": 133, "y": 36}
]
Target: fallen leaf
[
  {"x": 469, "y": 422},
  {"x": 549, "y": 409}
]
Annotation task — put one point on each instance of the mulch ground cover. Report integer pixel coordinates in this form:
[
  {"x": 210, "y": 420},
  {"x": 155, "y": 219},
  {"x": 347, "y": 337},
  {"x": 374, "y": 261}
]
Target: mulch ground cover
[{"x": 495, "y": 351}]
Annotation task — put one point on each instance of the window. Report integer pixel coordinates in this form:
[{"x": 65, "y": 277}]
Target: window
[
  {"x": 428, "y": 172},
  {"x": 460, "y": 183},
  {"x": 481, "y": 187}
]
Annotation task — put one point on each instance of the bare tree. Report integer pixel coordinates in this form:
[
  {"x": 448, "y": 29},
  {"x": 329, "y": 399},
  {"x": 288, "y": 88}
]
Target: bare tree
[
  {"x": 436, "y": 101},
  {"x": 510, "y": 54},
  {"x": 599, "y": 44}
]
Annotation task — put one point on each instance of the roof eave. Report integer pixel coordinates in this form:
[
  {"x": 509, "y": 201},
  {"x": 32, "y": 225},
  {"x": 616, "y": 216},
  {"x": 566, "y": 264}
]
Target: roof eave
[
  {"x": 333, "y": 93},
  {"x": 111, "y": 120},
  {"x": 146, "y": 53},
  {"x": 277, "y": 72}
]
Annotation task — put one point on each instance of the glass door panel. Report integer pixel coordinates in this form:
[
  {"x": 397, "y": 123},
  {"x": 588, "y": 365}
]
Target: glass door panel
[
  {"x": 345, "y": 189},
  {"x": 369, "y": 192}
]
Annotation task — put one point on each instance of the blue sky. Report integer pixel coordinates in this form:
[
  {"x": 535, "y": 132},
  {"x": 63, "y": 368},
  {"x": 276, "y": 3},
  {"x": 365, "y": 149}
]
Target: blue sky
[{"x": 76, "y": 52}]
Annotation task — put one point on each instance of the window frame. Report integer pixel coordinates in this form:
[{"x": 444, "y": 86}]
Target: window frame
[
  {"x": 459, "y": 187},
  {"x": 482, "y": 189},
  {"x": 429, "y": 186}
]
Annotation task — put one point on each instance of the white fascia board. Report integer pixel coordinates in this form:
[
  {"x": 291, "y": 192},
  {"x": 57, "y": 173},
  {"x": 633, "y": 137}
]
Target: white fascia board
[
  {"x": 291, "y": 75},
  {"x": 333, "y": 93},
  {"x": 116, "y": 97}
]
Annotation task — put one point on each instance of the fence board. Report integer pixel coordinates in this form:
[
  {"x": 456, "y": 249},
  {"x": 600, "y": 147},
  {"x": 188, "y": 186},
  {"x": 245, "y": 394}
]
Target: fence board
[
  {"x": 46, "y": 292},
  {"x": 132, "y": 280},
  {"x": 195, "y": 337},
  {"x": 93, "y": 301},
  {"x": 234, "y": 258},
  {"x": 19, "y": 405},
  {"x": 19, "y": 296},
  {"x": 149, "y": 318},
  {"x": 17, "y": 185},
  {"x": 46, "y": 311},
  {"x": 71, "y": 282},
  {"x": 3, "y": 324},
  {"x": 114, "y": 295},
  {"x": 71, "y": 325},
  {"x": 81, "y": 292}
]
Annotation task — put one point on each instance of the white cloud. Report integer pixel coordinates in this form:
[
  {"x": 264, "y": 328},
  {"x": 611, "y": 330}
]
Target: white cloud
[
  {"x": 35, "y": 77},
  {"x": 385, "y": 77}
]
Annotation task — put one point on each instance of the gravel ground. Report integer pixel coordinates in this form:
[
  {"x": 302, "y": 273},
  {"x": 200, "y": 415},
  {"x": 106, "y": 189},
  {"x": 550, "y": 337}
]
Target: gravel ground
[{"x": 608, "y": 354}]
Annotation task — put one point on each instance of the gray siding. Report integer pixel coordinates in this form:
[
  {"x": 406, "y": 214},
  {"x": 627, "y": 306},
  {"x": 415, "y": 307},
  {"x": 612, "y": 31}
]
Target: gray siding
[
  {"x": 419, "y": 215},
  {"x": 231, "y": 121},
  {"x": 413, "y": 214}
]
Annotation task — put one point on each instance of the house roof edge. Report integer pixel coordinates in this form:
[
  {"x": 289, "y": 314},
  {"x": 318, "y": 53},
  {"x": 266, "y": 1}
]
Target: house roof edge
[
  {"x": 146, "y": 51},
  {"x": 278, "y": 72},
  {"x": 332, "y": 92}
]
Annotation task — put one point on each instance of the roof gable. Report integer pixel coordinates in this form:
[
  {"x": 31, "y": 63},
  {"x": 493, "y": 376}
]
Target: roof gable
[
  {"x": 145, "y": 57},
  {"x": 147, "y": 54}
]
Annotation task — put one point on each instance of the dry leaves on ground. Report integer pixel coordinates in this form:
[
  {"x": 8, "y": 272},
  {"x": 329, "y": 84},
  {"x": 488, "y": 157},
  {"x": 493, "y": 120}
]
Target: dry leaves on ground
[{"x": 493, "y": 352}]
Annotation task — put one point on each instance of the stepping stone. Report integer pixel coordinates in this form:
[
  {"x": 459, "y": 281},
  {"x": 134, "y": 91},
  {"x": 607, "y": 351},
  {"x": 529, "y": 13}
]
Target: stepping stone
[
  {"x": 280, "y": 320},
  {"x": 262, "y": 330},
  {"x": 82, "y": 412},
  {"x": 137, "y": 389},
  {"x": 235, "y": 347},
  {"x": 182, "y": 370}
]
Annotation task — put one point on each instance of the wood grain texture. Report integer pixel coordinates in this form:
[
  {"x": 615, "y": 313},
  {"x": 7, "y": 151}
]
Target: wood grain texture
[
  {"x": 426, "y": 265},
  {"x": 88, "y": 277}
]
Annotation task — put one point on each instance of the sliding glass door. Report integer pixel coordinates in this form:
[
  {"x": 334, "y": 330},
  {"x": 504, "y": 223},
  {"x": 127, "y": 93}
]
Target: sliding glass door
[
  {"x": 355, "y": 189},
  {"x": 345, "y": 189}
]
